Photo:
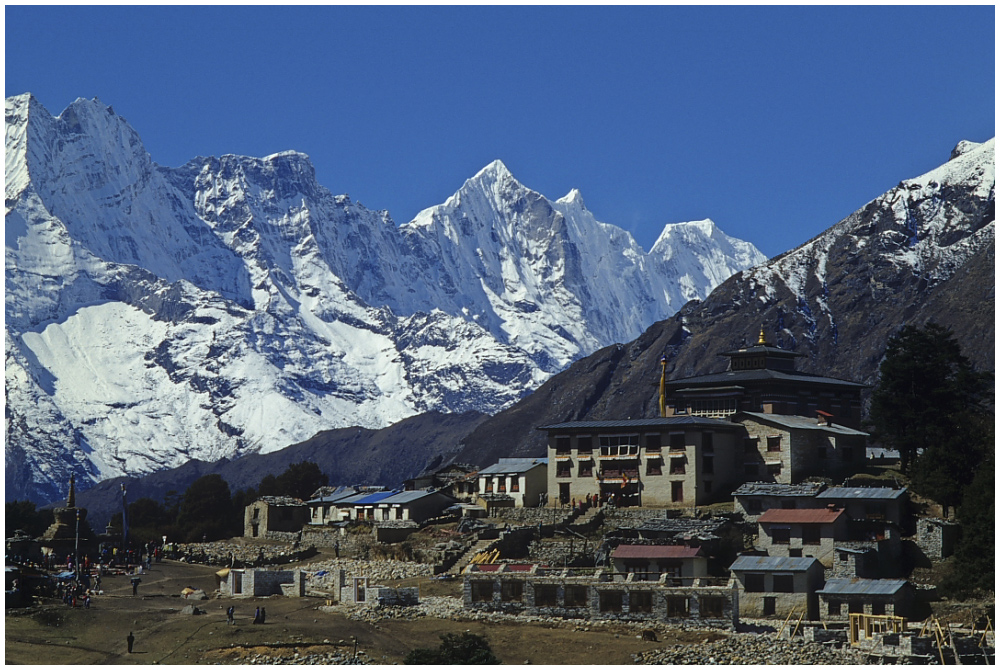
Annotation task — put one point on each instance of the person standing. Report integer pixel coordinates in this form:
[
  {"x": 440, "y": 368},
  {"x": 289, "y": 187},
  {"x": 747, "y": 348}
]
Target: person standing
[
  {"x": 256, "y": 616},
  {"x": 231, "y": 615},
  {"x": 130, "y": 639}
]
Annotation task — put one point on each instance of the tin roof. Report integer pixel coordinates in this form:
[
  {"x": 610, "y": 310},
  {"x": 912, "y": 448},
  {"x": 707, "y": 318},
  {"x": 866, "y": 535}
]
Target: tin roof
[
  {"x": 407, "y": 497},
  {"x": 509, "y": 466},
  {"x": 823, "y": 515},
  {"x": 861, "y": 493},
  {"x": 655, "y": 551},
  {"x": 773, "y": 563},
  {"x": 884, "y": 587}
]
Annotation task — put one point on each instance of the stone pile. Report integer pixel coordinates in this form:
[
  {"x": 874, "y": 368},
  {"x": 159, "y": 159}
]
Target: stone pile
[
  {"x": 222, "y": 553},
  {"x": 751, "y": 649},
  {"x": 377, "y": 571},
  {"x": 320, "y": 658}
]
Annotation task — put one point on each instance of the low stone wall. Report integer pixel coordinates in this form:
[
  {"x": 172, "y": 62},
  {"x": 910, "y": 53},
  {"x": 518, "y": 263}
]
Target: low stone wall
[{"x": 565, "y": 596}]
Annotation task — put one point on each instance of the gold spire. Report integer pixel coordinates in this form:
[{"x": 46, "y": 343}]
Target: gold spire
[
  {"x": 760, "y": 340},
  {"x": 663, "y": 384}
]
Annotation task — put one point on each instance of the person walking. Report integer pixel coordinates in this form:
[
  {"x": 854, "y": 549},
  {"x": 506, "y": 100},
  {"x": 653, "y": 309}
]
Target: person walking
[
  {"x": 231, "y": 615},
  {"x": 131, "y": 640},
  {"x": 256, "y": 616},
  {"x": 135, "y": 585}
]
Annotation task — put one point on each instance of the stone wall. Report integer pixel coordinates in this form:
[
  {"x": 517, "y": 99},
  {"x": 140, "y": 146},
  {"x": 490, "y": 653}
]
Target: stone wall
[{"x": 599, "y": 597}]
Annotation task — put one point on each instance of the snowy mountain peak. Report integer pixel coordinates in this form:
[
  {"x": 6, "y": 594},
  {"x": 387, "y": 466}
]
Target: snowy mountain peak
[
  {"x": 964, "y": 147},
  {"x": 234, "y": 305}
]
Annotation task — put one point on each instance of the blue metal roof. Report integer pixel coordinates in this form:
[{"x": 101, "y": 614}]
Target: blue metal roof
[
  {"x": 772, "y": 564},
  {"x": 368, "y": 498}
]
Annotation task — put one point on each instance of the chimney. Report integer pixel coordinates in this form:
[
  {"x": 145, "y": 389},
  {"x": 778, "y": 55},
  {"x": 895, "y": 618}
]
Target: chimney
[{"x": 824, "y": 418}]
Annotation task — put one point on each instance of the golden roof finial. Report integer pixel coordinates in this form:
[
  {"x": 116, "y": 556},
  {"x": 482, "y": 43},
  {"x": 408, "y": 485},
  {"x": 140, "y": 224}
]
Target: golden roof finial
[{"x": 761, "y": 340}]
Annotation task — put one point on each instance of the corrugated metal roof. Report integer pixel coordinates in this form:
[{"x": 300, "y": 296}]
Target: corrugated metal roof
[
  {"x": 659, "y": 422},
  {"x": 407, "y": 497},
  {"x": 335, "y": 497},
  {"x": 773, "y": 563},
  {"x": 823, "y": 515},
  {"x": 861, "y": 493},
  {"x": 807, "y": 490},
  {"x": 802, "y": 423},
  {"x": 368, "y": 498},
  {"x": 510, "y": 466},
  {"x": 655, "y": 551},
  {"x": 884, "y": 587}
]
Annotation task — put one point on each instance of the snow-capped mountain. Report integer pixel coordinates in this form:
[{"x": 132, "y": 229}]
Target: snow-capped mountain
[
  {"x": 923, "y": 251},
  {"x": 234, "y": 305}
]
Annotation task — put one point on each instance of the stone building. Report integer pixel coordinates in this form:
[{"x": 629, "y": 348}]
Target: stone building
[
  {"x": 323, "y": 509},
  {"x": 513, "y": 482},
  {"x": 937, "y": 538},
  {"x": 754, "y": 498},
  {"x": 787, "y": 449},
  {"x": 806, "y": 533},
  {"x": 596, "y": 594},
  {"x": 649, "y": 562},
  {"x": 274, "y": 514},
  {"x": 248, "y": 583},
  {"x": 840, "y": 597},
  {"x": 672, "y": 461},
  {"x": 778, "y": 586}
]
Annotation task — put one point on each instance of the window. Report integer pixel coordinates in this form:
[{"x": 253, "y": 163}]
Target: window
[
  {"x": 575, "y": 596},
  {"x": 562, "y": 445},
  {"x": 562, "y": 468},
  {"x": 774, "y": 443},
  {"x": 833, "y": 608},
  {"x": 640, "y": 601},
  {"x": 795, "y": 553},
  {"x": 584, "y": 444},
  {"x": 707, "y": 443},
  {"x": 677, "y": 491},
  {"x": 878, "y": 608},
  {"x": 677, "y": 466},
  {"x": 856, "y": 608},
  {"x": 708, "y": 464},
  {"x": 769, "y": 603},
  {"x": 611, "y": 601},
  {"x": 753, "y": 582},
  {"x": 489, "y": 485},
  {"x": 677, "y": 442},
  {"x": 653, "y": 442},
  {"x": 654, "y": 466},
  {"x": 482, "y": 592},
  {"x": 716, "y": 407},
  {"x": 774, "y": 469},
  {"x": 780, "y": 535},
  {"x": 678, "y": 606},
  {"x": 810, "y": 534},
  {"x": 511, "y": 591},
  {"x": 586, "y": 469},
  {"x": 619, "y": 445},
  {"x": 784, "y": 584},
  {"x": 503, "y": 485},
  {"x": 546, "y": 595},
  {"x": 515, "y": 484},
  {"x": 711, "y": 607}
]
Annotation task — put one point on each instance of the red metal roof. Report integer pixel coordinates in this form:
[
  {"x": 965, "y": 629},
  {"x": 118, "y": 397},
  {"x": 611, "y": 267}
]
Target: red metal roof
[
  {"x": 822, "y": 515},
  {"x": 655, "y": 551}
]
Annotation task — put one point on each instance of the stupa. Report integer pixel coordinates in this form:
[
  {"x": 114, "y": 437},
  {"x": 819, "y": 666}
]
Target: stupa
[{"x": 60, "y": 538}]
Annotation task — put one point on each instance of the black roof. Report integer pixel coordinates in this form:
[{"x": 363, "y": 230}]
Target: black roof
[
  {"x": 733, "y": 377},
  {"x": 658, "y": 422}
]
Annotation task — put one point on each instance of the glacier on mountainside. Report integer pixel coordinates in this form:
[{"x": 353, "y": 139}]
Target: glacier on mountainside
[{"x": 234, "y": 305}]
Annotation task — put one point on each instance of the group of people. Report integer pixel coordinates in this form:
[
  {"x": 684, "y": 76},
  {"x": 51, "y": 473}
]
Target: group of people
[{"x": 258, "y": 616}]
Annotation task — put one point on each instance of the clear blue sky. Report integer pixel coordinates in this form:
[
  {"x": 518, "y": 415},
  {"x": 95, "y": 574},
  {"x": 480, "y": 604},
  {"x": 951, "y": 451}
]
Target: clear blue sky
[{"x": 775, "y": 122}]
